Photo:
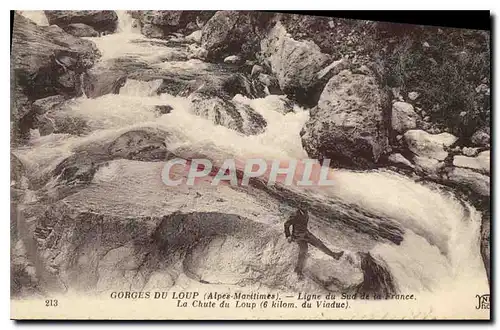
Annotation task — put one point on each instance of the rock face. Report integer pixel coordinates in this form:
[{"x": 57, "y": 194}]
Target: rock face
[
  {"x": 348, "y": 126},
  {"x": 481, "y": 162},
  {"x": 160, "y": 23},
  {"x": 81, "y": 30},
  {"x": 100, "y": 20},
  {"x": 233, "y": 32},
  {"x": 476, "y": 182},
  {"x": 103, "y": 237},
  {"x": 296, "y": 64},
  {"x": 399, "y": 159},
  {"x": 403, "y": 117},
  {"x": 481, "y": 137},
  {"x": 233, "y": 115},
  {"x": 428, "y": 145},
  {"x": 45, "y": 61}
]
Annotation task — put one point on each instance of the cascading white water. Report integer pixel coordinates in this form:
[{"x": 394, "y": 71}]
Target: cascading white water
[
  {"x": 126, "y": 24},
  {"x": 440, "y": 250},
  {"x": 37, "y": 16}
]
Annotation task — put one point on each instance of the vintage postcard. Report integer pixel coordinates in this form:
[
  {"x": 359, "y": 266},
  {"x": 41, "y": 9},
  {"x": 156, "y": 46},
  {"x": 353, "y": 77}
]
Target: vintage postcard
[{"x": 248, "y": 165}]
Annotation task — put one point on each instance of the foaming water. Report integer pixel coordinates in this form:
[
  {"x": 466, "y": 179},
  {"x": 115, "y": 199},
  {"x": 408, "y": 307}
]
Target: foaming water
[
  {"x": 126, "y": 24},
  {"x": 37, "y": 16},
  {"x": 440, "y": 250}
]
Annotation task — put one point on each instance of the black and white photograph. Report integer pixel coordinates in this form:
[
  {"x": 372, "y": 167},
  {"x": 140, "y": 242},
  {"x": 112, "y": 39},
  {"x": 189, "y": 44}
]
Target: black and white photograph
[{"x": 217, "y": 164}]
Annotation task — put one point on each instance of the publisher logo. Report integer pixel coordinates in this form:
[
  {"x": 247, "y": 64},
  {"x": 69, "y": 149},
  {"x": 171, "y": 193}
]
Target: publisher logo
[{"x": 483, "y": 302}]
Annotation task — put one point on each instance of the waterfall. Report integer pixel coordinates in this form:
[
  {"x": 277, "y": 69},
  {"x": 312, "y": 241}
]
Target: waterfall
[
  {"x": 440, "y": 250},
  {"x": 126, "y": 22}
]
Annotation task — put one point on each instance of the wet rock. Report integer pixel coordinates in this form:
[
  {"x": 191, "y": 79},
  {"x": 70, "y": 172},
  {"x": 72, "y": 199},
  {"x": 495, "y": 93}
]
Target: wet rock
[
  {"x": 470, "y": 179},
  {"x": 46, "y": 61},
  {"x": 163, "y": 109},
  {"x": 428, "y": 145},
  {"x": 256, "y": 70},
  {"x": 81, "y": 30},
  {"x": 152, "y": 31},
  {"x": 233, "y": 32},
  {"x": 195, "y": 37},
  {"x": 348, "y": 126},
  {"x": 110, "y": 76},
  {"x": 143, "y": 144},
  {"x": 295, "y": 64},
  {"x": 471, "y": 152},
  {"x": 234, "y": 115},
  {"x": 271, "y": 83},
  {"x": 400, "y": 160},
  {"x": 54, "y": 116},
  {"x": 279, "y": 103},
  {"x": 233, "y": 59},
  {"x": 428, "y": 166},
  {"x": 481, "y": 137},
  {"x": 481, "y": 162},
  {"x": 403, "y": 117},
  {"x": 126, "y": 228},
  {"x": 100, "y": 20},
  {"x": 162, "y": 23}
]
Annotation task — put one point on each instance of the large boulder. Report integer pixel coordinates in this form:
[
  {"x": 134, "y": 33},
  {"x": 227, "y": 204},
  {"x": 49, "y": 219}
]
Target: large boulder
[
  {"x": 403, "y": 117},
  {"x": 296, "y": 64},
  {"x": 481, "y": 137},
  {"x": 100, "y": 20},
  {"x": 233, "y": 32},
  {"x": 476, "y": 182},
  {"x": 481, "y": 162},
  {"x": 231, "y": 114},
  {"x": 121, "y": 230},
  {"x": 45, "y": 61},
  {"x": 429, "y": 145},
  {"x": 81, "y": 30},
  {"x": 349, "y": 125},
  {"x": 161, "y": 23}
]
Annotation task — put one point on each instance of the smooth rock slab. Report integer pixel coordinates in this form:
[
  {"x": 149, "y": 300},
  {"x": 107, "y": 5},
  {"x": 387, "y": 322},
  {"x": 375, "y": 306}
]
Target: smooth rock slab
[{"x": 428, "y": 145}]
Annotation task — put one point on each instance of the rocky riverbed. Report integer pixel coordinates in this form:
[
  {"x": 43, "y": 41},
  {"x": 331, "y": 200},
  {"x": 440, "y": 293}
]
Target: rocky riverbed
[{"x": 102, "y": 99}]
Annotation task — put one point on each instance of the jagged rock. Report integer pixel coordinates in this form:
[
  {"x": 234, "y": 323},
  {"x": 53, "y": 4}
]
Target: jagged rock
[
  {"x": 403, "y": 117},
  {"x": 476, "y": 182},
  {"x": 481, "y": 137},
  {"x": 161, "y": 23},
  {"x": 413, "y": 95},
  {"x": 233, "y": 32},
  {"x": 100, "y": 20},
  {"x": 481, "y": 162},
  {"x": 45, "y": 61},
  {"x": 256, "y": 69},
  {"x": 233, "y": 59},
  {"x": 152, "y": 31},
  {"x": 400, "y": 159},
  {"x": 195, "y": 37},
  {"x": 471, "y": 152},
  {"x": 233, "y": 115},
  {"x": 279, "y": 103},
  {"x": 81, "y": 30},
  {"x": 54, "y": 116},
  {"x": 428, "y": 145},
  {"x": 295, "y": 64},
  {"x": 271, "y": 83},
  {"x": 428, "y": 166},
  {"x": 121, "y": 230},
  {"x": 333, "y": 69},
  {"x": 348, "y": 125},
  {"x": 163, "y": 109}
]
